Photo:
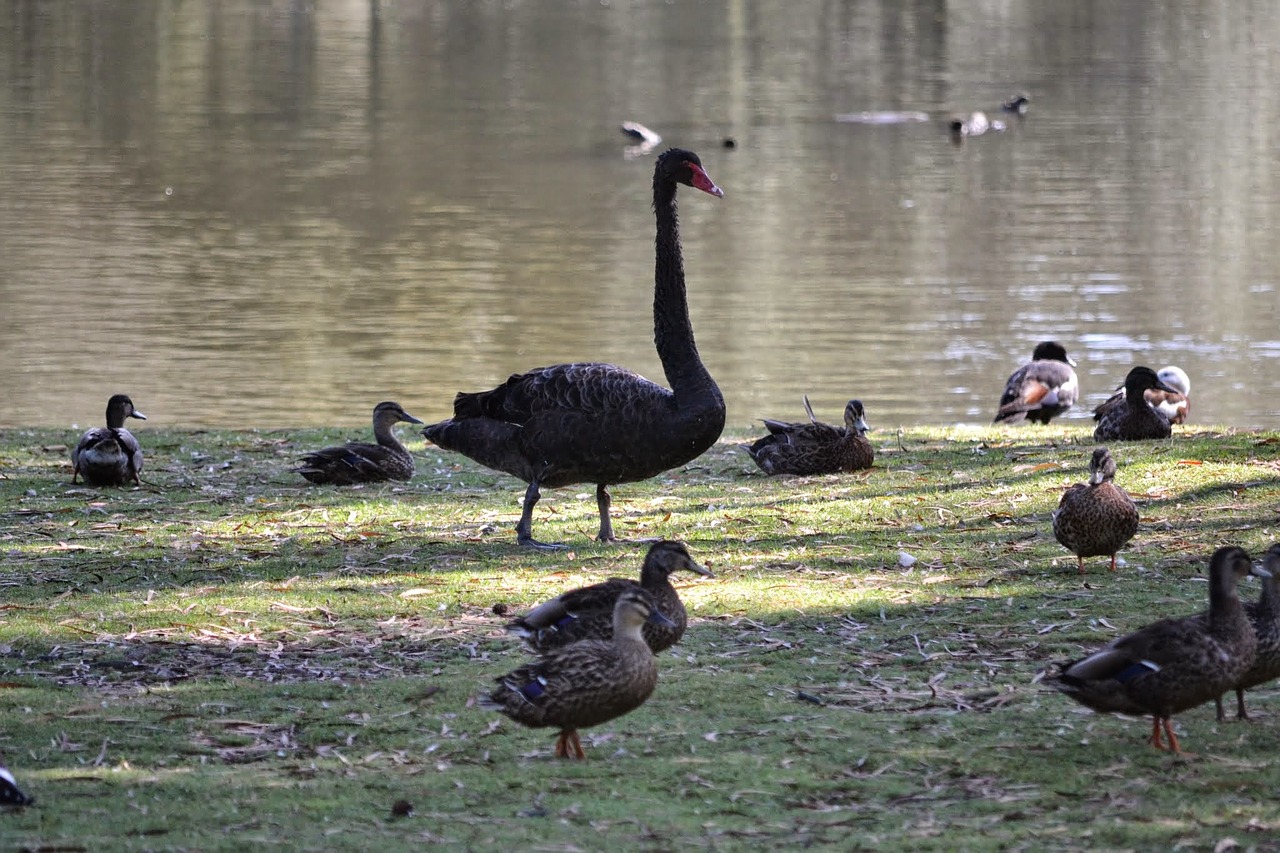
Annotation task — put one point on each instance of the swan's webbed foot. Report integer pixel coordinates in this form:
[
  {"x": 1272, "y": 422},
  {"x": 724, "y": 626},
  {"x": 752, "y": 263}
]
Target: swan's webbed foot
[{"x": 530, "y": 542}]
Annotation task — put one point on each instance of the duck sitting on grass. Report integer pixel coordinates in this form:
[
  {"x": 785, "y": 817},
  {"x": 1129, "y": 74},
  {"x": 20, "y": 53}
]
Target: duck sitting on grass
[
  {"x": 587, "y": 612},
  {"x": 359, "y": 462},
  {"x": 815, "y": 447}
]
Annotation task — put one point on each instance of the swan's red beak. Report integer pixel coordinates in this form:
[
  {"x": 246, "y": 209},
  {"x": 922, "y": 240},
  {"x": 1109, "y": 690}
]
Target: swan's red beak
[{"x": 702, "y": 182}]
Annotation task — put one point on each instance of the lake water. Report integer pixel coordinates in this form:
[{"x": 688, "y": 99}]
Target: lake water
[{"x": 281, "y": 213}]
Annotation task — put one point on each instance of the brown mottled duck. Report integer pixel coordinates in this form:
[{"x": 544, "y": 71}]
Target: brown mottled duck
[
  {"x": 600, "y": 423},
  {"x": 587, "y": 612},
  {"x": 359, "y": 462},
  {"x": 110, "y": 455},
  {"x": 1098, "y": 518},
  {"x": 1174, "y": 664},
  {"x": 1264, "y": 615},
  {"x": 815, "y": 447},
  {"x": 584, "y": 683}
]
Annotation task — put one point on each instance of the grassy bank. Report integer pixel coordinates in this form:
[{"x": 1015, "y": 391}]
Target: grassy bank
[{"x": 229, "y": 657}]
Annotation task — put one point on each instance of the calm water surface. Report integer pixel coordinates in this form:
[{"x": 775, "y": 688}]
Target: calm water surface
[{"x": 274, "y": 214}]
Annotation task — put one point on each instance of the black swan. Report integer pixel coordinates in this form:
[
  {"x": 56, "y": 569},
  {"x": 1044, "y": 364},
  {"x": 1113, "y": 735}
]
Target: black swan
[
  {"x": 600, "y": 423},
  {"x": 1042, "y": 389},
  {"x": 110, "y": 455}
]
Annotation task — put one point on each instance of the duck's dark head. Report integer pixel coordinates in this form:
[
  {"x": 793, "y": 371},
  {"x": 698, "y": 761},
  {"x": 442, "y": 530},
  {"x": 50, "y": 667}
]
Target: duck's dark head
[
  {"x": 1051, "y": 351},
  {"x": 668, "y": 556},
  {"x": 1019, "y": 104},
  {"x": 633, "y": 608},
  {"x": 121, "y": 406},
  {"x": 392, "y": 413},
  {"x": 1102, "y": 467},
  {"x": 676, "y": 165},
  {"x": 1140, "y": 379},
  {"x": 855, "y": 416}
]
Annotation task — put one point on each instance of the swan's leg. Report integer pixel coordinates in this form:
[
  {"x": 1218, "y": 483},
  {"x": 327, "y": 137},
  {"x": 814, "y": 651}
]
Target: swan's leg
[
  {"x": 524, "y": 528},
  {"x": 1241, "y": 713},
  {"x": 603, "y": 501}
]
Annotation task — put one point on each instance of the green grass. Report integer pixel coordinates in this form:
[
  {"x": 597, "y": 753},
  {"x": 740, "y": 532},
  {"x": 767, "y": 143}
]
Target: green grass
[{"x": 229, "y": 658}]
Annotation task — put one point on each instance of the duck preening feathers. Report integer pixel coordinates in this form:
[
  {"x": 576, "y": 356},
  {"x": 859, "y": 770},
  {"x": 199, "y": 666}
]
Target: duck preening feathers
[
  {"x": 110, "y": 455},
  {"x": 1136, "y": 420},
  {"x": 587, "y": 612},
  {"x": 815, "y": 447},
  {"x": 600, "y": 423},
  {"x": 359, "y": 462},
  {"x": 1174, "y": 664},
  {"x": 584, "y": 683},
  {"x": 1042, "y": 389},
  {"x": 1098, "y": 518}
]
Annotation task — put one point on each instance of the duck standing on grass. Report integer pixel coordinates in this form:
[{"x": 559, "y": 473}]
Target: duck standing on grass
[
  {"x": 815, "y": 447},
  {"x": 1042, "y": 389},
  {"x": 1264, "y": 615},
  {"x": 1136, "y": 420},
  {"x": 359, "y": 462},
  {"x": 584, "y": 683},
  {"x": 1174, "y": 664},
  {"x": 600, "y": 423},
  {"x": 587, "y": 612},
  {"x": 110, "y": 455},
  {"x": 1098, "y": 518}
]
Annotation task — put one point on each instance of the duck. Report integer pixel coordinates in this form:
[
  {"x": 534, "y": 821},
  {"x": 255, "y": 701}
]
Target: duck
[
  {"x": 1018, "y": 104},
  {"x": 815, "y": 447},
  {"x": 1174, "y": 664},
  {"x": 1174, "y": 406},
  {"x": 1042, "y": 389},
  {"x": 1098, "y": 518},
  {"x": 975, "y": 123},
  {"x": 1136, "y": 420},
  {"x": 110, "y": 455},
  {"x": 587, "y": 682},
  {"x": 359, "y": 462},
  {"x": 587, "y": 612},
  {"x": 1264, "y": 616},
  {"x": 10, "y": 793},
  {"x": 596, "y": 422}
]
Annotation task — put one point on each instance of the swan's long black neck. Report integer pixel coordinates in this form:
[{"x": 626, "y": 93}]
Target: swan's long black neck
[{"x": 672, "y": 329}]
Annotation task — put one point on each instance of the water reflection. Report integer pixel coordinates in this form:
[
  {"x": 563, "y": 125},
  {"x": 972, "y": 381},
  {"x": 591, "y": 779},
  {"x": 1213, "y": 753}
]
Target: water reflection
[{"x": 279, "y": 213}]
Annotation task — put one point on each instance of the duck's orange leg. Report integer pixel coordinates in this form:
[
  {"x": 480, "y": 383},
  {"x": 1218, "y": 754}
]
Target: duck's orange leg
[
  {"x": 562, "y": 745},
  {"x": 1155, "y": 740},
  {"x": 1080, "y": 563},
  {"x": 1173, "y": 738},
  {"x": 576, "y": 743}
]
